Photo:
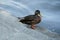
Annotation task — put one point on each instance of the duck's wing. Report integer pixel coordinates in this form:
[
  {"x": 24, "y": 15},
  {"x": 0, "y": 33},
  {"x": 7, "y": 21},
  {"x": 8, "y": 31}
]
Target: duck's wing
[{"x": 30, "y": 17}]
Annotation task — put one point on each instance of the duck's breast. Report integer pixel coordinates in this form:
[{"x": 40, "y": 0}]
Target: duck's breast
[{"x": 37, "y": 20}]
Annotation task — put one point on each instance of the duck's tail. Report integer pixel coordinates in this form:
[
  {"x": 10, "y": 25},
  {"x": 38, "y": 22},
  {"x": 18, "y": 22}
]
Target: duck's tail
[{"x": 22, "y": 21}]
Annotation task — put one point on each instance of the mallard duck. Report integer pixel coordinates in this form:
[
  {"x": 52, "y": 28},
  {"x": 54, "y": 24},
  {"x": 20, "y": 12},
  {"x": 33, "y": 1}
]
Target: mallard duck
[{"x": 32, "y": 19}]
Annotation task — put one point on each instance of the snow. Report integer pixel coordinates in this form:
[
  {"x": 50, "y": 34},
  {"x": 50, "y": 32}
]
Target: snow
[{"x": 11, "y": 29}]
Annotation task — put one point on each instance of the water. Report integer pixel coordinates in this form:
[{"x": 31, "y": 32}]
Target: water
[{"x": 50, "y": 11}]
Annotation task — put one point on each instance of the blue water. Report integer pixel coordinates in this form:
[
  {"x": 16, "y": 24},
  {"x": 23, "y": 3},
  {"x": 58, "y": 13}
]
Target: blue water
[{"x": 50, "y": 11}]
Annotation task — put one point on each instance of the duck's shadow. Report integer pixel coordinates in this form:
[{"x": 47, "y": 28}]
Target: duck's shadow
[{"x": 45, "y": 31}]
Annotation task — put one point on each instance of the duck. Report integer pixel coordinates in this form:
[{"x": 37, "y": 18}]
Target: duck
[{"x": 32, "y": 19}]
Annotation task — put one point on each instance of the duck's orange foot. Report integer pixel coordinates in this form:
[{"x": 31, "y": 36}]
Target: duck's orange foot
[{"x": 33, "y": 27}]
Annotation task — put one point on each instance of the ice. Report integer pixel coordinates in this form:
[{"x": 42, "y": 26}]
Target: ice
[{"x": 11, "y": 29}]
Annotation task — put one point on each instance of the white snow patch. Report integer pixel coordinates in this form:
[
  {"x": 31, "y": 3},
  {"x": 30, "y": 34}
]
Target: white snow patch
[
  {"x": 5, "y": 13},
  {"x": 11, "y": 29}
]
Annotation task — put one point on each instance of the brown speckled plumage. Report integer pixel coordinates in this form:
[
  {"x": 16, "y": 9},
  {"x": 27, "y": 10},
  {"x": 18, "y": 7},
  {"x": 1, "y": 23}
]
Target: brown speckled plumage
[{"x": 32, "y": 19}]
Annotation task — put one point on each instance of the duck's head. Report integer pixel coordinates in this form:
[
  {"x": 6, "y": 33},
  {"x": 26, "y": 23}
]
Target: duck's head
[{"x": 37, "y": 13}]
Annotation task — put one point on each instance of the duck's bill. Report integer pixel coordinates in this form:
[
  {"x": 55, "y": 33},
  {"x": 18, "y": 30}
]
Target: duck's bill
[{"x": 39, "y": 15}]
